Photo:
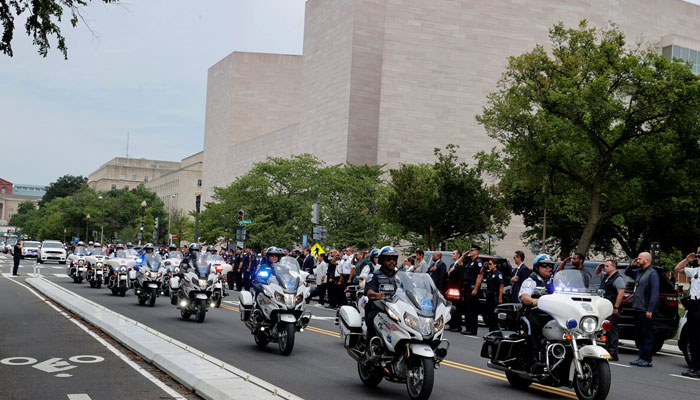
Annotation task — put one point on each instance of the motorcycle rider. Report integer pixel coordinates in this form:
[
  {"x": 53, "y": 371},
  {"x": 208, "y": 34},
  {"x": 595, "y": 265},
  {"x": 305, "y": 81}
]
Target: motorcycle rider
[
  {"x": 162, "y": 250},
  {"x": 173, "y": 251},
  {"x": 91, "y": 247},
  {"x": 267, "y": 268},
  {"x": 541, "y": 278},
  {"x": 386, "y": 275},
  {"x": 212, "y": 250},
  {"x": 97, "y": 249},
  {"x": 130, "y": 252}
]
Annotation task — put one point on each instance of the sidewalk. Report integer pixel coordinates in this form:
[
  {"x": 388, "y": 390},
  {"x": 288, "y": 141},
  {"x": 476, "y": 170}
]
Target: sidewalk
[
  {"x": 670, "y": 346},
  {"x": 209, "y": 377}
]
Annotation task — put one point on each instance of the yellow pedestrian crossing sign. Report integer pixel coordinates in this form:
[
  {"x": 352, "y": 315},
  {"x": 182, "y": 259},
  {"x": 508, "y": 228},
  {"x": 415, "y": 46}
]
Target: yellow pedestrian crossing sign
[{"x": 317, "y": 250}]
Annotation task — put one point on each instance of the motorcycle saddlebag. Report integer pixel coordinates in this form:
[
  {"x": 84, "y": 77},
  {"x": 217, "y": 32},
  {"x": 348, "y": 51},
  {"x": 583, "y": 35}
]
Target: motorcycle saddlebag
[
  {"x": 507, "y": 315},
  {"x": 174, "y": 283},
  {"x": 245, "y": 299},
  {"x": 502, "y": 345},
  {"x": 350, "y": 319}
]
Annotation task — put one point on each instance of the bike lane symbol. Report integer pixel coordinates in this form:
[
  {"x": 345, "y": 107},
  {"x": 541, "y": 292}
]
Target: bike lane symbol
[{"x": 53, "y": 365}]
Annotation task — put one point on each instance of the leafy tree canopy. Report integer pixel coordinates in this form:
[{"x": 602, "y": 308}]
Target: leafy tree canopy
[
  {"x": 597, "y": 131},
  {"x": 64, "y": 186},
  {"x": 42, "y": 21}
]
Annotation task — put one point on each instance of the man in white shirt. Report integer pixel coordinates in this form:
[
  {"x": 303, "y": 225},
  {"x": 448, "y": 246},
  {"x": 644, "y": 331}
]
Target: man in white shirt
[
  {"x": 693, "y": 314},
  {"x": 321, "y": 271},
  {"x": 343, "y": 274}
]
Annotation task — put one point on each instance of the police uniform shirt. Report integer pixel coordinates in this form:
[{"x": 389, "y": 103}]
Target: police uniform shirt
[
  {"x": 694, "y": 275},
  {"x": 530, "y": 284},
  {"x": 619, "y": 283},
  {"x": 366, "y": 274},
  {"x": 379, "y": 278},
  {"x": 494, "y": 279},
  {"x": 472, "y": 270},
  {"x": 345, "y": 267}
]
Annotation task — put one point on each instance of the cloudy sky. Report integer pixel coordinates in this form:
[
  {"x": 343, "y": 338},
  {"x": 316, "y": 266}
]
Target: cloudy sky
[{"x": 143, "y": 72}]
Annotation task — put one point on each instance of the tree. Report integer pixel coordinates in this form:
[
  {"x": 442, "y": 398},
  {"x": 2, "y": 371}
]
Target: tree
[
  {"x": 64, "y": 186},
  {"x": 444, "y": 200},
  {"x": 589, "y": 125},
  {"x": 42, "y": 21}
]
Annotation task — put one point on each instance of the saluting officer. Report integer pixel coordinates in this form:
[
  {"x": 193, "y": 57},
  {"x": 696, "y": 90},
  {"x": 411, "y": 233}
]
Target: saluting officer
[
  {"x": 693, "y": 314},
  {"x": 473, "y": 275},
  {"x": 494, "y": 293}
]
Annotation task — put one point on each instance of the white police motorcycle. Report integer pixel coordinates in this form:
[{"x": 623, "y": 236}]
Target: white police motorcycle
[
  {"x": 149, "y": 277},
  {"x": 568, "y": 347},
  {"x": 77, "y": 264},
  {"x": 117, "y": 279},
  {"x": 219, "y": 268},
  {"x": 191, "y": 288},
  {"x": 409, "y": 343},
  {"x": 95, "y": 268},
  {"x": 277, "y": 312}
]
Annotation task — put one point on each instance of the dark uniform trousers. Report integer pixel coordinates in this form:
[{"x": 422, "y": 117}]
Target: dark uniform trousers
[
  {"x": 472, "y": 307},
  {"x": 644, "y": 335},
  {"x": 340, "y": 297},
  {"x": 694, "y": 338},
  {"x": 490, "y": 314}
]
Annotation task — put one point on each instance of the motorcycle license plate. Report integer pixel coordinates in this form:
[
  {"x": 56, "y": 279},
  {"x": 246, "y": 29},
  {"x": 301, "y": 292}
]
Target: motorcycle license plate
[
  {"x": 122, "y": 278},
  {"x": 81, "y": 269},
  {"x": 99, "y": 272},
  {"x": 201, "y": 296},
  {"x": 218, "y": 285},
  {"x": 152, "y": 285}
]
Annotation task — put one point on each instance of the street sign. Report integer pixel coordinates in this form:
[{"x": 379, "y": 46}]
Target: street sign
[
  {"x": 173, "y": 236},
  {"x": 317, "y": 250},
  {"x": 247, "y": 221},
  {"x": 304, "y": 240}
]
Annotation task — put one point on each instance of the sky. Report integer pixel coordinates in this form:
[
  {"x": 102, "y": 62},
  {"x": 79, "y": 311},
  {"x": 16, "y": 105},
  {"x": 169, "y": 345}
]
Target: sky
[{"x": 143, "y": 72}]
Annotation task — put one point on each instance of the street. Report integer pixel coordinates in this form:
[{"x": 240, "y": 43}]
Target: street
[{"x": 318, "y": 365}]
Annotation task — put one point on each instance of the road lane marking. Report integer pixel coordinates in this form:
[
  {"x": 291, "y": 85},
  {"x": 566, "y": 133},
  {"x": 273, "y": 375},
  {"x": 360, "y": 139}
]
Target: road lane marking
[
  {"x": 171, "y": 392},
  {"x": 80, "y": 396},
  {"x": 684, "y": 377},
  {"x": 620, "y": 365}
]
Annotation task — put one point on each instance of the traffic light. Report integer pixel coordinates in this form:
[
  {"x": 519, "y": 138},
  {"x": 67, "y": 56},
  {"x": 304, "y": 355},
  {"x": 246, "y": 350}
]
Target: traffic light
[
  {"x": 240, "y": 215},
  {"x": 315, "y": 213}
]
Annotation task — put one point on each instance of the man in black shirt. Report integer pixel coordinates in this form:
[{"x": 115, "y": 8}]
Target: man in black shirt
[
  {"x": 386, "y": 275},
  {"x": 16, "y": 256},
  {"x": 473, "y": 275}
]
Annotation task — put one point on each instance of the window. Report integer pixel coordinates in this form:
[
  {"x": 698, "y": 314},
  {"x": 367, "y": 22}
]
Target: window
[
  {"x": 114, "y": 186},
  {"x": 199, "y": 183},
  {"x": 4, "y": 190},
  {"x": 145, "y": 178},
  {"x": 676, "y": 52},
  {"x": 126, "y": 187},
  {"x": 122, "y": 176},
  {"x": 133, "y": 177}
]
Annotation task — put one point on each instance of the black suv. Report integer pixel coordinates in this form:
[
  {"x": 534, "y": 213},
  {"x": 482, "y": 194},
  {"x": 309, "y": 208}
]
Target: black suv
[
  {"x": 454, "y": 294},
  {"x": 666, "y": 319}
]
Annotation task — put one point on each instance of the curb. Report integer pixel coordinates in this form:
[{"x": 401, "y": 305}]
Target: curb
[{"x": 207, "y": 376}]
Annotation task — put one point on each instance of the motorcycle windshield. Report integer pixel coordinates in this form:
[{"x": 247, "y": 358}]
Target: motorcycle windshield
[
  {"x": 120, "y": 254},
  {"x": 287, "y": 273},
  {"x": 418, "y": 289},
  {"x": 573, "y": 280},
  {"x": 80, "y": 251},
  {"x": 176, "y": 255},
  {"x": 201, "y": 266},
  {"x": 151, "y": 261},
  {"x": 98, "y": 251}
]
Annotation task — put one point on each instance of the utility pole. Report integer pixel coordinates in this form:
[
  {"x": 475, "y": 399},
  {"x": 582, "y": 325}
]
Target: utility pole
[{"x": 197, "y": 203}]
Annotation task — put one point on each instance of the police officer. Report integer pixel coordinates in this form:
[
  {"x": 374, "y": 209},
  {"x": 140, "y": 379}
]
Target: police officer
[
  {"x": 471, "y": 287},
  {"x": 613, "y": 284},
  {"x": 272, "y": 257},
  {"x": 385, "y": 275},
  {"x": 494, "y": 292},
  {"x": 693, "y": 313},
  {"x": 540, "y": 278}
]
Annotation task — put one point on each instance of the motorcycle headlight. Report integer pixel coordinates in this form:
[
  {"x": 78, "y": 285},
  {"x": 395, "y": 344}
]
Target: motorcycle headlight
[
  {"x": 298, "y": 299},
  {"x": 411, "y": 321},
  {"x": 393, "y": 315},
  {"x": 99, "y": 264},
  {"x": 438, "y": 325},
  {"x": 122, "y": 269},
  {"x": 588, "y": 324},
  {"x": 203, "y": 283},
  {"x": 279, "y": 297}
]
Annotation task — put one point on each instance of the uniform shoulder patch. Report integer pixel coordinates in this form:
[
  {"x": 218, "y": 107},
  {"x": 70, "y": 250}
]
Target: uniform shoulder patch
[
  {"x": 500, "y": 275},
  {"x": 480, "y": 264},
  {"x": 528, "y": 283}
]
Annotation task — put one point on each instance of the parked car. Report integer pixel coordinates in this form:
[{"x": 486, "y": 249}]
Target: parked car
[
  {"x": 52, "y": 250},
  {"x": 30, "y": 248},
  {"x": 666, "y": 319}
]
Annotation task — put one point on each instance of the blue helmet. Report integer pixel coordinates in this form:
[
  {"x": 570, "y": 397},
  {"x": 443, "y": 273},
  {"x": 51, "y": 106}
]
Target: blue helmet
[
  {"x": 373, "y": 253},
  {"x": 129, "y": 244},
  {"x": 387, "y": 251},
  {"x": 542, "y": 259}
]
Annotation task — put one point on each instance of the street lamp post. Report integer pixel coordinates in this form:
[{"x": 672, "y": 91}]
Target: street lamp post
[
  {"x": 170, "y": 207},
  {"x": 102, "y": 224},
  {"x": 87, "y": 223},
  {"x": 143, "y": 215},
  {"x": 197, "y": 202}
]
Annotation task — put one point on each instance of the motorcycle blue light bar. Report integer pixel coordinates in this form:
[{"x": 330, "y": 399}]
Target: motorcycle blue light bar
[
  {"x": 571, "y": 324},
  {"x": 263, "y": 274}
]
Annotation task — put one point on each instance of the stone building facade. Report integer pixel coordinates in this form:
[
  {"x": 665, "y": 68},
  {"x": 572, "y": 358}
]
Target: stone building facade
[
  {"x": 387, "y": 81},
  {"x": 127, "y": 173},
  {"x": 178, "y": 188}
]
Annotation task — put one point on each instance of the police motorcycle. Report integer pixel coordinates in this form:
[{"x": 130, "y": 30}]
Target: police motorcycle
[
  {"x": 117, "y": 278},
  {"x": 77, "y": 263},
  {"x": 219, "y": 268},
  {"x": 149, "y": 278},
  {"x": 191, "y": 288},
  {"x": 276, "y": 312},
  {"x": 409, "y": 345},
  {"x": 172, "y": 262},
  {"x": 95, "y": 266},
  {"x": 573, "y": 320}
]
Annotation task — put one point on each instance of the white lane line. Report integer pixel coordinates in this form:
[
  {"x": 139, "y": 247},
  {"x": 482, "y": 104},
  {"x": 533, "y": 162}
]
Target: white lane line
[
  {"x": 7, "y": 275},
  {"x": 684, "y": 377},
  {"x": 59, "y": 275},
  {"x": 81, "y": 396},
  {"x": 175, "y": 395},
  {"x": 620, "y": 365}
]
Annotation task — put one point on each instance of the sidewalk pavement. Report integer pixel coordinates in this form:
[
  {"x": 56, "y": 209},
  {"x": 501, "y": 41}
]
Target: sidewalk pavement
[
  {"x": 670, "y": 346},
  {"x": 209, "y": 377}
]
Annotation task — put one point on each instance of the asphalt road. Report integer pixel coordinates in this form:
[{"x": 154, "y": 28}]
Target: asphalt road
[
  {"x": 319, "y": 367},
  {"x": 44, "y": 355}
]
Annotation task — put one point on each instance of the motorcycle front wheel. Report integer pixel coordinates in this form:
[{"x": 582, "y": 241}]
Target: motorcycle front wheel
[
  {"x": 185, "y": 314},
  {"x": 114, "y": 291},
  {"x": 152, "y": 298},
  {"x": 98, "y": 284},
  {"x": 122, "y": 292},
  {"x": 201, "y": 310},
  {"x": 261, "y": 340},
  {"x": 421, "y": 375},
  {"x": 517, "y": 381},
  {"x": 367, "y": 376},
  {"x": 286, "y": 338},
  {"x": 594, "y": 381}
]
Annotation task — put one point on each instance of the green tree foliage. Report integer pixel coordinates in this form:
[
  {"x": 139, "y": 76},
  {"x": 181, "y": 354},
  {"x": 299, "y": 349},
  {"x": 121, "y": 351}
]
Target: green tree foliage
[
  {"x": 595, "y": 130},
  {"x": 440, "y": 201},
  {"x": 42, "y": 21},
  {"x": 64, "y": 186},
  {"x": 277, "y": 196}
]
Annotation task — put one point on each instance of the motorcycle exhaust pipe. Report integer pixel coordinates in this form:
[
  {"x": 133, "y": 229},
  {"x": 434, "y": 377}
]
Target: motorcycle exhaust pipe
[{"x": 557, "y": 350}]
